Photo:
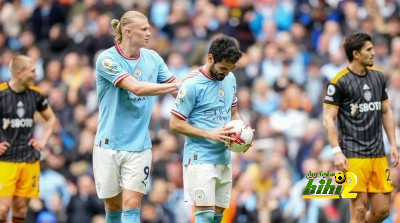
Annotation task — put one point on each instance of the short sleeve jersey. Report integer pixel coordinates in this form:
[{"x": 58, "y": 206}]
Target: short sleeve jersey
[
  {"x": 206, "y": 103},
  {"x": 123, "y": 116},
  {"x": 17, "y": 124},
  {"x": 359, "y": 99}
]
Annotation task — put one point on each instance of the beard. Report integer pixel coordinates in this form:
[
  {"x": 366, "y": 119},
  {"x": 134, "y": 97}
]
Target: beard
[
  {"x": 214, "y": 74},
  {"x": 368, "y": 62},
  {"x": 30, "y": 81}
]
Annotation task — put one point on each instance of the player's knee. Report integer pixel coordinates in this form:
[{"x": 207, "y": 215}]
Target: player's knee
[
  {"x": 359, "y": 212},
  {"x": 204, "y": 216},
  {"x": 112, "y": 206},
  {"x": 20, "y": 210},
  {"x": 4, "y": 208},
  {"x": 132, "y": 202},
  {"x": 381, "y": 213}
]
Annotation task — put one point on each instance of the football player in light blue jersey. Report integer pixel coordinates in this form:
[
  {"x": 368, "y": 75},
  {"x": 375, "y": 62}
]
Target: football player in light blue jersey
[
  {"x": 128, "y": 75},
  {"x": 204, "y": 104}
]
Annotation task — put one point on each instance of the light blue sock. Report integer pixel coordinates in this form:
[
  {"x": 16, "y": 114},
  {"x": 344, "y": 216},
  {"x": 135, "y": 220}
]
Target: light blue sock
[
  {"x": 217, "y": 218},
  {"x": 205, "y": 216},
  {"x": 132, "y": 215},
  {"x": 113, "y": 216}
]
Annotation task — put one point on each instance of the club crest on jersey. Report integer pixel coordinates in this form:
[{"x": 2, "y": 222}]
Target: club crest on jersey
[
  {"x": 199, "y": 195},
  {"x": 106, "y": 63},
  {"x": 137, "y": 72},
  {"x": 221, "y": 92},
  {"x": 367, "y": 95},
  {"x": 20, "y": 109}
]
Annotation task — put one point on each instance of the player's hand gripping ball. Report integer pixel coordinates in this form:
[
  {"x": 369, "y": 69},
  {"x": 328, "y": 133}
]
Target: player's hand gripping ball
[
  {"x": 243, "y": 136},
  {"x": 340, "y": 177}
]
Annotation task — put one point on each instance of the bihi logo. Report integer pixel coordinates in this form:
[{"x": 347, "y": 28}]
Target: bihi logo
[{"x": 326, "y": 189}]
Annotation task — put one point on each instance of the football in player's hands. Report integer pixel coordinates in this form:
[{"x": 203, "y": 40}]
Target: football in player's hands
[{"x": 242, "y": 136}]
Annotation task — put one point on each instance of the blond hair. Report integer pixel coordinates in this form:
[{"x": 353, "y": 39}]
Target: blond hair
[
  {"x": 19, "y": 63},
  {"x": 126, "y": 19}
]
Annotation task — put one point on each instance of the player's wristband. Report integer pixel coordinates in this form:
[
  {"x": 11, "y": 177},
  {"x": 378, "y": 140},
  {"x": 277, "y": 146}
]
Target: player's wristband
[{"x": 336, "y": 149}]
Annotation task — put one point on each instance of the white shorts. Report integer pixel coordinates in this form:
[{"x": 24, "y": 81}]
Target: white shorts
[
  {"x": 114, "y": 170},
  {"x": 208, "y": 184}
]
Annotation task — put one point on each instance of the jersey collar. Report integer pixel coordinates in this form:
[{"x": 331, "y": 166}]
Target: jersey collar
[
  {"x": 122, "y": 54},
  {"x": 205, "y": 73}
]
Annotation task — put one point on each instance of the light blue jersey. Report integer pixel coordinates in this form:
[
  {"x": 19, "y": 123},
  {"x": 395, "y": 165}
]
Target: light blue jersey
[
  {"x": 206, "y": 103},
  {"x": 124, "y": 117}
]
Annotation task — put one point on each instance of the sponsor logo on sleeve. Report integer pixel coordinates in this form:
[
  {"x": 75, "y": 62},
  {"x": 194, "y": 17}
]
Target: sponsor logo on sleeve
[
  {"x": 331, "y": 90},
  {"x": 45, "y": 102},
  {"x": 108, "y": 65},
  {"x": 180, "y": 96}
]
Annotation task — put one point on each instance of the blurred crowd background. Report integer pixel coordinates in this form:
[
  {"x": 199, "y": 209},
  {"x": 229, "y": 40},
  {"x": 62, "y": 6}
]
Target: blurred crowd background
[{"x": 291, "y": 49}]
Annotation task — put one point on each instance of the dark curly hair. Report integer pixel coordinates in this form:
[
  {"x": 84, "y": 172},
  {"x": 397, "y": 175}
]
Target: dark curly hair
[
  {"x": 355, "y": 42},
  {"x": 225, "y": 47}
]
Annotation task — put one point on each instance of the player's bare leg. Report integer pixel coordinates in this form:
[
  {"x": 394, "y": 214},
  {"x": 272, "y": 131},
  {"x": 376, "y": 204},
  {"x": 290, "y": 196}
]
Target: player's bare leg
[
  {"x": 132, "y": 199},
  {"x": 20, "y": 208},
  {"x": 358, "y": 208},
  {"x": 5, "y": 204},
  {"x": 131, "y": 206},
  {"x": 380, "y": 207},
  {"x": 114, "y": 203},
  {"x": 113, "y": 207}
]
